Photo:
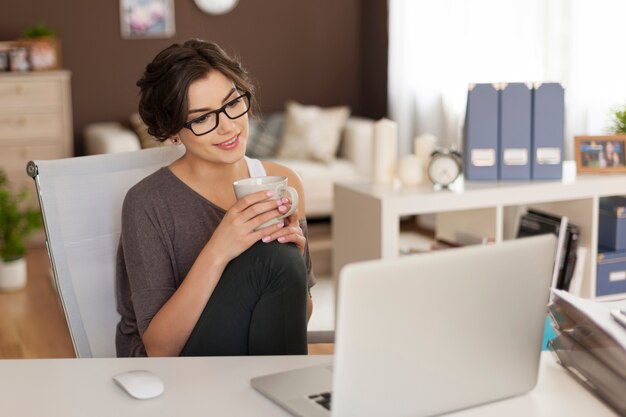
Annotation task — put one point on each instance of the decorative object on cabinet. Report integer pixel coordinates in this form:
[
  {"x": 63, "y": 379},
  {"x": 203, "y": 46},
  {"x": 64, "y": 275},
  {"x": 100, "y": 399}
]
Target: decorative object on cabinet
[
  {"x": 216, "y": 7},
  {"x": 43, "y": 46},
  {"x": 619, "y": 120},
  {"x": 410, "y": 170},
  {"x": 4, "y": 58},
  {"x": 423, "y": 147},
  {"x": 18, "y": 59},
  {"x": 600, "y": 154},
  {"x": 445, "y": 167},
  {"x": 147, "y": 18},
  {"x": 385, "y": 151},
  {"x": 18, "y": 220}
]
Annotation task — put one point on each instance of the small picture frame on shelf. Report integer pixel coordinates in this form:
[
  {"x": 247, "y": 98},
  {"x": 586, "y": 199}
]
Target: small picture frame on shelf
[{"x": 600, "y": 154}]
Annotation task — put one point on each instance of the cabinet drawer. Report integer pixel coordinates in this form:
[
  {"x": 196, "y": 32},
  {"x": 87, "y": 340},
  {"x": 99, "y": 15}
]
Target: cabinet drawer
[
  {"x": 13, "y": 159},
  {"x": 30, "y": 93},
  {"x": 43, "y": 126}
]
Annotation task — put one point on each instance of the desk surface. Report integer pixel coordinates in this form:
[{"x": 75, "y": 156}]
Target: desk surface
[{"x": 220, "y": 387}]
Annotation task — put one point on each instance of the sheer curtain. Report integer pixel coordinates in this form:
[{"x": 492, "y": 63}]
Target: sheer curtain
[{"x": 437, "y": 47}]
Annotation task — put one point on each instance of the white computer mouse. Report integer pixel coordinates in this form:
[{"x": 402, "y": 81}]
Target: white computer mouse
[{"x": 140, "y": 384}]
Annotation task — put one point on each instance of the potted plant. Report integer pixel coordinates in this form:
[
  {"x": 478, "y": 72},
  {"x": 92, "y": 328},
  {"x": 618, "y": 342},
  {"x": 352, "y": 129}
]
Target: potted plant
[
  {"x": 619, "y": 120},
  {"x": 17, "y": 221},
  {"x": 43, "y": 45}
]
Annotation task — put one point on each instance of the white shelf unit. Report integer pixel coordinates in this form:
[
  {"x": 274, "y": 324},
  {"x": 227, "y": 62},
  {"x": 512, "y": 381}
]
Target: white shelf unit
[{"x": 366, "y": 217}]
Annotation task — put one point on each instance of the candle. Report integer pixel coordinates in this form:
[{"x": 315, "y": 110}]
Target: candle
[
  {"x": 385, "y": 151},
  {"x": 423, "y": 146}
]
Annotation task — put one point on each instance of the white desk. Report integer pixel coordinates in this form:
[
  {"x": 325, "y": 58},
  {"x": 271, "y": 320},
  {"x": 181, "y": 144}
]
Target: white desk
[{"x": 220, "y": 387}]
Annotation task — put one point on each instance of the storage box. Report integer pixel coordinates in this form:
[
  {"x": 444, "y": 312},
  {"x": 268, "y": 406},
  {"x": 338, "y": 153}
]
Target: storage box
[
  {"x": 612, "y": 223},
  {"x": 611, "y": 272}
]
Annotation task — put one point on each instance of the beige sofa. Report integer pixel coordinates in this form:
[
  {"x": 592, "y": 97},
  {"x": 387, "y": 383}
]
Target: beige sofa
[{"x": 352, "y": 162}]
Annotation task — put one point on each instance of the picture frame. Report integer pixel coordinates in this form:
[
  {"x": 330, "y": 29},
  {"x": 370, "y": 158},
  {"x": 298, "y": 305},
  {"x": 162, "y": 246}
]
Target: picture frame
[
  {"x": 600, "y": 154},
  {"x": 147, "y": 19},
  {"x": 43, "y": 53}
]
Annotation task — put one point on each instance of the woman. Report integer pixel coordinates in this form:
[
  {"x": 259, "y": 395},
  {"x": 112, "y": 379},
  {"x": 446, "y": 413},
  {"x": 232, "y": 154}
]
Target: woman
[{"x": 193, "y": 277}]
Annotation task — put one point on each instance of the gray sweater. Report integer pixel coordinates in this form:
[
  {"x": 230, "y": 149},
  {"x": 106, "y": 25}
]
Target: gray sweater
[{"x": 165, "y": 225}]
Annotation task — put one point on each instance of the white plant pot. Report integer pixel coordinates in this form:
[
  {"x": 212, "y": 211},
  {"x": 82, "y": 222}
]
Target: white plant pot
[{"x": 13, "y": 275}]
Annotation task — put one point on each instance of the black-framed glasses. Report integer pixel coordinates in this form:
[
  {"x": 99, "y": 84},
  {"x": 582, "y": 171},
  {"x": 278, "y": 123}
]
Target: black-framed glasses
[{"x": 209, "y": 121}]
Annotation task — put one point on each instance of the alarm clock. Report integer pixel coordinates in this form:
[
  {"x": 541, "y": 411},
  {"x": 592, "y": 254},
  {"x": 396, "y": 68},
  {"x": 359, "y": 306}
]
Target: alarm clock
[{"x": 445, "y": 167}]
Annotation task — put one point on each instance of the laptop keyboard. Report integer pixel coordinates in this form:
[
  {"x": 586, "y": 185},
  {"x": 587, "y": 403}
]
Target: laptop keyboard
[{"x": 322, "y": 399}]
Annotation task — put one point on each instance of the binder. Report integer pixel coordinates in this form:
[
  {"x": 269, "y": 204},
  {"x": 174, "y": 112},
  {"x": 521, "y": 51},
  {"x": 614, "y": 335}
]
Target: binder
[
  {"x": 548, "y": 120},
  {"x": 515, "y": 131},
  {"x": 536, "y": 222},
  {"x": 481, "y": 133},
  {"x": 570, "y": 254}
]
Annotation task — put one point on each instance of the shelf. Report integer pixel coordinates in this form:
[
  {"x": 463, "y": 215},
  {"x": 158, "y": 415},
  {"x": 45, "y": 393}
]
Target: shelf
[{"x": 490, "y": 209}]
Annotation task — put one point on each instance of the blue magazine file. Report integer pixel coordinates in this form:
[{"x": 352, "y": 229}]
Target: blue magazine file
[
  {"x": 515, "y": 131},
  {"x": 548, "y": 131},
  {"x": 481, "y": 133}
]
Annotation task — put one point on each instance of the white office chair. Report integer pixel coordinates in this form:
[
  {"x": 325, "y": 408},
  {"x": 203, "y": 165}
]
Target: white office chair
[{"x": 81, "y": 202}]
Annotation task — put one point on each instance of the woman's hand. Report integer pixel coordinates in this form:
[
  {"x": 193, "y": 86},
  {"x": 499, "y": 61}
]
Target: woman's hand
[
  {"x": 236, "y": 233},
  {"x": 290, "y": 233}
]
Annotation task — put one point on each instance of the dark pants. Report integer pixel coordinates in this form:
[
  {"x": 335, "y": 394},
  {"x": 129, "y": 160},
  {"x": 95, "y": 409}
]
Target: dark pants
[{"x": 257, "y": 308}]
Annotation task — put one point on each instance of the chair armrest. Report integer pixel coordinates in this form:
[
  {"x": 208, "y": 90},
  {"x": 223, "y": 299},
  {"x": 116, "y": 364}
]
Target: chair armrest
[
  {"x": 357, "y": 144},
  {"x": 110, "y": 138}
]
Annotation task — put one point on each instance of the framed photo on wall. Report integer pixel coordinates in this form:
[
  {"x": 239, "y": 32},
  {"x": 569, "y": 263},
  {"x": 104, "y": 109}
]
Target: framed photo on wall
[
  {"x": 147, "y": 19},
  {"x": 600, "y": 154}
]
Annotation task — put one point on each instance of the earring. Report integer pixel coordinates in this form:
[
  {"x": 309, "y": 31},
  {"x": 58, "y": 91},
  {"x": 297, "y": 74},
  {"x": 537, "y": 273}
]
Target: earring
[{"x": 175, "y": 140}]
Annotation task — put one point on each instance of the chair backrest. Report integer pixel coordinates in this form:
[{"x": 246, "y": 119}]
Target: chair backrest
[{"x": 81, "y": 202}]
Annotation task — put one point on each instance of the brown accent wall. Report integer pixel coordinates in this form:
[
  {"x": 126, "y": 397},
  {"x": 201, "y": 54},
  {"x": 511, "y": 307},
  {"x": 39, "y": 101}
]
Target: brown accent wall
[{"x": 324, "y": 52}]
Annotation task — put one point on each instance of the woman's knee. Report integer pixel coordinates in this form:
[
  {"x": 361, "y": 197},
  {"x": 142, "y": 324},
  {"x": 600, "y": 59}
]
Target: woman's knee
[{"x": 273, "y": 264}]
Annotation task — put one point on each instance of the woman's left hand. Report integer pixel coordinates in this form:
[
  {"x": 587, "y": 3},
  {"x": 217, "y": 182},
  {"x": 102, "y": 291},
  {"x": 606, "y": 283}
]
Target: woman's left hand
[{"x": 290, "y": 233}]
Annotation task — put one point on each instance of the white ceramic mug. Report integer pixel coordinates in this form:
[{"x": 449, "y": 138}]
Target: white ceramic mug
[{"x": 277, "y": 184}]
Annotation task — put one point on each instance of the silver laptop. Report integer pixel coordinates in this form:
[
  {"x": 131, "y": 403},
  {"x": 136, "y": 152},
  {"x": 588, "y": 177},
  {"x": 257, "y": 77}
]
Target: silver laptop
[{"x": 429, "y": 334}]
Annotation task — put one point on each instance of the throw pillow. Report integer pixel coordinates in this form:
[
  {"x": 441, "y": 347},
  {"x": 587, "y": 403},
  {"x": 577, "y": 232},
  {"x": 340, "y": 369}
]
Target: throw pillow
[
  {"x": 312, "y": 132},
  {"x": 264, "y": 136}
]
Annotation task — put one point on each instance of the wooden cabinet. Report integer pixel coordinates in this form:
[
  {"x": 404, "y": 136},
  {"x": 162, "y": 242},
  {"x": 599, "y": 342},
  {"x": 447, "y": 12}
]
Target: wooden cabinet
[{"x": 35, "y": 121}]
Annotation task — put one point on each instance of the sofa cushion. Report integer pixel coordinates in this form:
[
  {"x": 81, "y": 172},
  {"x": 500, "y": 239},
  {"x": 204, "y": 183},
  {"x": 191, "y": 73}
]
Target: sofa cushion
[
  {"x": 141, "y": 130},
  {"x": 318, "y": 180},
  {"x": 264, "y": 136},
  {"x": 312, "y": 132}
]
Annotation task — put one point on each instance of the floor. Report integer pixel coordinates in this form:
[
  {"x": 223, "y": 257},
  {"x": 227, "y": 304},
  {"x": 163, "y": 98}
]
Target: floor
[{"x": 32, "y": 324}]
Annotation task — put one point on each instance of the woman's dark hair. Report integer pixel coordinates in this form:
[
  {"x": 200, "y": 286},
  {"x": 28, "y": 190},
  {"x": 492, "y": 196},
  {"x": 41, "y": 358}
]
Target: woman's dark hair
[{"x": 165, "y": 83}]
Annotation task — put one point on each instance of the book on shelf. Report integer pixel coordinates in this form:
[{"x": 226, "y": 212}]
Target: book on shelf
[{"x": 536, "y": 222}]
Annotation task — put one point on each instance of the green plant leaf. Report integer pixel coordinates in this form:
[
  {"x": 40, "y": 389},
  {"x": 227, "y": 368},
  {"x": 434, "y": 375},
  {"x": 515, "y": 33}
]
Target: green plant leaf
[
  {"x": 619, "y": 119},
  {"x": 39, "y": 30},
  {"x": 17, "y": 220}
]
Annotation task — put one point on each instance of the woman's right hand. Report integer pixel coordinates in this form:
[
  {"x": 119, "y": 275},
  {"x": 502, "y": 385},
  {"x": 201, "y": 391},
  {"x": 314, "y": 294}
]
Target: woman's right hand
[{"x": 236, "y": 233}]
